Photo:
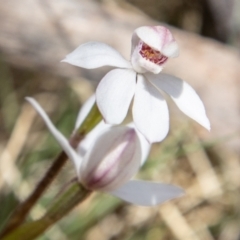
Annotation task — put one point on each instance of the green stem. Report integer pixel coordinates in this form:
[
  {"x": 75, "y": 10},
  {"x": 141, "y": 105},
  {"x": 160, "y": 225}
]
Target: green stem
[
  {"x": 74, "y": 195},
  {"x": 94, "y": 117},
  {"x": 19, "y": 215}
]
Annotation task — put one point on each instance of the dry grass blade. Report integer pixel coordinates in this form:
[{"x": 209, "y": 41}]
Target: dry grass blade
[
  {"x": 171, "y": 215},
  {"x": 9, "y": 172}
]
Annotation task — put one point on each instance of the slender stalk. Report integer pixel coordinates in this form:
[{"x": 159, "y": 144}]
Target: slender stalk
[
  {"x": 93, "y": 118},
  {"x": 19, "y": 215},
  {"x": 74, "y": 195}
]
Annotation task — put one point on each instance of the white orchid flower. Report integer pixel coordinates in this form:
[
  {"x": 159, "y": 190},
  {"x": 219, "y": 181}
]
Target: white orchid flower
[
  {"x": 140, "y": 78},
  {"x": 109, "y": 162}
]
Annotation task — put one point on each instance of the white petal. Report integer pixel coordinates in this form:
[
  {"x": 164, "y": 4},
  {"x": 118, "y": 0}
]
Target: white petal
[
  {"x": 150, "y": 66},
  {"x": 145, "y": 145},
  {"x": 171, "y": 50},
  {"x": 183, "y": 95},
  {"x": 114, "y": 94},
  {"x": 146, "y": 193},
  {"x": 150, "y": 111},
  {"x": 85, "y": 109},
  {"x": 63, "y": 142},
  {"x": 96, "y": 54}
]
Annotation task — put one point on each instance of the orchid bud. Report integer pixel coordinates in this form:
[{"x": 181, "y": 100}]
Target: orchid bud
[
  {"x": 112, "y": 161},
  {"x": 151, "y": 48}
]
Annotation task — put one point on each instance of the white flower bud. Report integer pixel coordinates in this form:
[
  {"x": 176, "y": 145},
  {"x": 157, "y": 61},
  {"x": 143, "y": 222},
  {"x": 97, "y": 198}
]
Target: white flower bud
[{"x": 112, "y": 161}]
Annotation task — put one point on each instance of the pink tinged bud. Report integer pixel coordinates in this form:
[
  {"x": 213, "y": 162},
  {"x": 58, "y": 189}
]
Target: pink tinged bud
[
  {"x": 113, "y": 160},
  {"x": 151, "y": 48}
]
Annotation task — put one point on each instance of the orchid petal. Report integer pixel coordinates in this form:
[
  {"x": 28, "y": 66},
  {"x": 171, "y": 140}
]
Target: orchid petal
[
  {"x": 146, "y": 193},
  {"x": 183, "y": 95},
  {"x": 145, "y": 145},
  {"x": 150, "y": 111},
  {"x": 96, "y": 54},
  {"x": 85, "y": 109},
  {"x": 113, "y": 160},
  {"x": 63, "y": 142},
  {"x": 114, "y": 94}
]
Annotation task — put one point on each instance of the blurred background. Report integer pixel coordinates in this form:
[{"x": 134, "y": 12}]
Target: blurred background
[{"x": 36, "y": 35}]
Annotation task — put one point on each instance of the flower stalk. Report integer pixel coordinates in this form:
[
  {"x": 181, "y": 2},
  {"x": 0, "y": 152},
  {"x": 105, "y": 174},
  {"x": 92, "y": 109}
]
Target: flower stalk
[
  {"x": 74, "y": 195},
  {"x": 19, "y": 215}
]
